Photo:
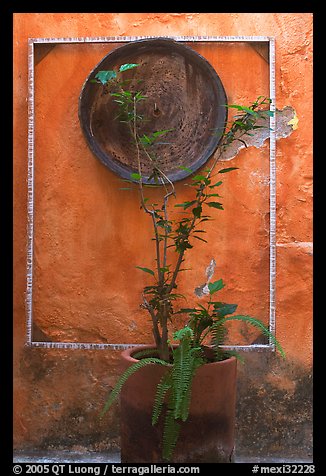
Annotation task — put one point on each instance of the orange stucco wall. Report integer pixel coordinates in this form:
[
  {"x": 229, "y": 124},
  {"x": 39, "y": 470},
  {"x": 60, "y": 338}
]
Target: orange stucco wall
[{"x": 89, "y": 235}]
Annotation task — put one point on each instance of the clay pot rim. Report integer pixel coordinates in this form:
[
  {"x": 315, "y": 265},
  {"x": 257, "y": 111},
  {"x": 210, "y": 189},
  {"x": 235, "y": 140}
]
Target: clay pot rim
[{"x": 127, "y": 355}]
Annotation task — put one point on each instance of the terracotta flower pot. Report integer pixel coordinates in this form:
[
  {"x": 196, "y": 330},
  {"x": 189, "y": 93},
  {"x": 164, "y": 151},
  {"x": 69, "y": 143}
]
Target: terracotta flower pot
[{"x": 208, "y": 434}]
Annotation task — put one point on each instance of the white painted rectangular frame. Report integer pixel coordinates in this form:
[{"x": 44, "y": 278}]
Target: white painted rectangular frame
[{"x": 30, "y": 182}]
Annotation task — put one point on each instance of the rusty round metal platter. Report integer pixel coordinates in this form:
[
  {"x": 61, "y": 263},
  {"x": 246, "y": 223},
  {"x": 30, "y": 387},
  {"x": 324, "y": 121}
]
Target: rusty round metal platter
[{"x": 184, "y": 93}]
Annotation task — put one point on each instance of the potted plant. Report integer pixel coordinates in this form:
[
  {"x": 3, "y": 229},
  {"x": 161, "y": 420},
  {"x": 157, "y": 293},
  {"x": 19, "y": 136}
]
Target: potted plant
[{"x": 178, "y": 396}]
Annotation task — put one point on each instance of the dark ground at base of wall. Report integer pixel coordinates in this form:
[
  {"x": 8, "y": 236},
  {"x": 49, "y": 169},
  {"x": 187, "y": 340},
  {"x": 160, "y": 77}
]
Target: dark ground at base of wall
[
  {"x": 273, "y": 413},
  {"x": 59, "y": 457}
]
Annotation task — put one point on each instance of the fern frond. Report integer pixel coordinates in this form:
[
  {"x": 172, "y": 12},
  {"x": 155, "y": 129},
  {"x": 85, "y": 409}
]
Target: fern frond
[
  {"x": 256, "y": 323},
  {"x": 186, "y": 360},
  {"x": 218, "y": 333},
  {"x": 162, "y": 388},
  {"x": 179, "y": 402},
  {"x": 124, "y": 377},
  {"x": 181, "y": 375},
  {"x": 186, "y": 399},
  {"x": 170, "y": 434}
]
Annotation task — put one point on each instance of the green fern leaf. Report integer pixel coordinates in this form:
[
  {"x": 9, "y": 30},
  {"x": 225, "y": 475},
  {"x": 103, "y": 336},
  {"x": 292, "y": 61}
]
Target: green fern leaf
[
  {"x": 218, "y": 338},
  {"x": 124, "y": 377},
  {"x": 179, "y": 403},
  {"x": 256, "y": 323},
  {"x": 186, "y": 360},
  {"x": 186, "y": 400},
  {"x": 161, "y": 391},
  {"x": 181, "y": 374},
  {"x": 170, "y": 434},
  {"x": 177, "y": 383}
]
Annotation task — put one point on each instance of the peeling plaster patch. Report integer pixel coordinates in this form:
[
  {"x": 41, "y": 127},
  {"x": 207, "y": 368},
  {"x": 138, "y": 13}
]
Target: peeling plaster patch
[
  {"x": 286, "y": 123},
  {"x": 203, "y": 289},
  {"x": 294, "y": 122}
]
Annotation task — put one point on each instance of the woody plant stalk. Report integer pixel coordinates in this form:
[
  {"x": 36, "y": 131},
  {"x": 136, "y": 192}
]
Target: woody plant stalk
[
  {"x": 174, "y": 237},
  {"x": 179, "y": 235}
]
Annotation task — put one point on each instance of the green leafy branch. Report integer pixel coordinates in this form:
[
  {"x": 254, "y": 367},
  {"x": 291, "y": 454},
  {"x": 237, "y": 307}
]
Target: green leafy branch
[{"x": 212, "y": 319}]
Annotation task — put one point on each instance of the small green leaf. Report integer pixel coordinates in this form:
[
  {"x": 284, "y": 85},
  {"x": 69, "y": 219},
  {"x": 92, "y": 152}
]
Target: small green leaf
[
  {"x": 135, "y": 176},
  {"x": 235, "y": 106},
  {"x": 165, "y": 269},
  {"x": 146, "y": 270},
  {"x": 198, "y": 178},
  {"x": 161, "y": 133},
  {"x": 125, "y": 67},
  {"x": 145, "y": 140},
  {"x": 217, "y": 184},
  {"x": 249, "y": 111},
  {"x": 105, "y": 76},
  {"x": 197, "y": 211},
  {"x": 216, "y": 286},
  {"x": 224, "y": 309},
  {"x": 187, "y": 169},
  {"x": 201, "y": 239},
  {"x": 186, "y": 205},
  {"x": 215, "y": 205},
  {"x": 243, "y": 108},
  {"x": 223, "y": 171}
]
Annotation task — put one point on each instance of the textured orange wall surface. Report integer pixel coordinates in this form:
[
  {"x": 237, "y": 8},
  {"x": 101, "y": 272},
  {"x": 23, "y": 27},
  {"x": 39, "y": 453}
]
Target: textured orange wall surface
[{"x": 89, "y": 235}]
